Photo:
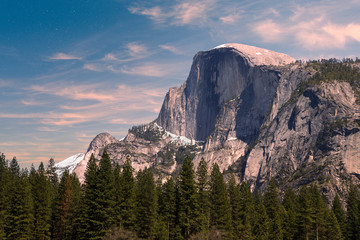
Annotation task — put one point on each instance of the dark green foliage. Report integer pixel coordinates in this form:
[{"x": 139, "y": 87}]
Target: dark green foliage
[
  {"x": 119, "y": 233},
  {"x": 352, "y": 218},
  {"x": 260, "y": 227},
  {"x": 42, "y": 193},
  {"x": 112, "y": 204},
  {"x": 291, "y": 206},
  {"x": 333, "y": 230},
  {"x": 339, "y": 213},
  {"x": 187, "y": 200},
  {"x": 66, "y": 207},
  {"x": 90, "y": 226},
  {"x": 167, "y": 207},
  {"x": 274, "y": 211},
  {"x": 147, "y": 133},
  {"x": 220, "y": 207},
  {"x": 203, "y": 196},
  {"x": 19, "y": 218},
  {"x": 105, "y": 200},
  {"x": 146, "y": 204},
  {"x": 127, "y": 196}
]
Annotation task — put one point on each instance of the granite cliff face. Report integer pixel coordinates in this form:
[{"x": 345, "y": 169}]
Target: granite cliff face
[{"x": 254, "y": 112}]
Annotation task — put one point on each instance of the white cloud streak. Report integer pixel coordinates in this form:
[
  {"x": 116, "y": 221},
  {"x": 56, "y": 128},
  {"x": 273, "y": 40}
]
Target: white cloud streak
[{"x": 64, "y": 56}]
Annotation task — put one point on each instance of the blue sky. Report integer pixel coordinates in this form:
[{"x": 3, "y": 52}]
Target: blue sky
[{"x": 70, "y": 69}]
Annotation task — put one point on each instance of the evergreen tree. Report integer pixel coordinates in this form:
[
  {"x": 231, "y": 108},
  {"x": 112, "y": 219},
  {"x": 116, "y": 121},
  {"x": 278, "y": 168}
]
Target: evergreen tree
[
  {"x": 304, "y": 220},
  {"x": 220, "y": 217},
  {"x": 333, "y": 230},
  {"x": 89, "y": 224},
  {"x": 62, "y": 207},
  {"x": 127, "y": 196},
  {"x": 66, "y": 207},
  {"x": 290, "y": 203},
  {"x": 146, "y": 204},
  {"x": 105, "y": 200},
  {"x": 187, "y": 203},
  {"x": 274, "y": 211},
  {"x": 4, "y": 181},
  {"x": 318, "y": 213},
  {"x": 42, "y": 199},
  {"x": 167, "y": 206},
  {"x": 246, "y": 211},
  {"x": 340, "y": 215},
  {"x": 260, "y": 226},
  {"x": 203, "y": 196},
  {"x": 19, "y": 219},
  {"x": 117, "y": 195},
  {"x": 352, "y": 215}
]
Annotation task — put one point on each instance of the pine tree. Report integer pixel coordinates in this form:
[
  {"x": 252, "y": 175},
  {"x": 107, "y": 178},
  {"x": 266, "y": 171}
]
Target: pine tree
[
  {"x": 304, "y": 220},
  {"x": 235, "y": 205},
  {"x": 89, "y": 224},
  {"x": 290, "y": 203},
  {"x": 274, "y": 211},
  {"x": 220, "y": 217},
  {"x": 117, "y": 195},
  {"x": 352, "y": 215},
  {"x": 187, "y": 202},
  {"x": 260, "y": 226},
  {"x": 127, "y": 196},
  {"x": 246, "y": 211},
  {"x": 167, "y": 206},
  {"x": 146, "y": 204},
  {"x": 333, "y": 230},
  {"x": 19, "y": 219},
  {"x": 42, "y": 199},
  {"x": 340, "y": 215},
  {"x": 203, "y": 196},
  {"x": 318, "y": 213},
  {"x": 4, "y": 181},
  {"x": 67, "y": 203},
  {"x": 105, "y": 200},
  {"x": 62, "y": 207}
]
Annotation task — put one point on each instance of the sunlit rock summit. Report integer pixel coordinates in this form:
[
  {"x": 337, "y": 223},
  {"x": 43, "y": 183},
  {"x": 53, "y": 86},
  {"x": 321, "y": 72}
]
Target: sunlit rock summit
[{"x": 256, "y": 113}]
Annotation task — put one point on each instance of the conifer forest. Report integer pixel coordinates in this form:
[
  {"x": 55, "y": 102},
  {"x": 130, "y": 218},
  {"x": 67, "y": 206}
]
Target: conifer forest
[{"x": 114, "y": 203}]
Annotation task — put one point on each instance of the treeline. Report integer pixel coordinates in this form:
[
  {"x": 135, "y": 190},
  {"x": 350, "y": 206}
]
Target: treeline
[{"x": 113, "y": 204}]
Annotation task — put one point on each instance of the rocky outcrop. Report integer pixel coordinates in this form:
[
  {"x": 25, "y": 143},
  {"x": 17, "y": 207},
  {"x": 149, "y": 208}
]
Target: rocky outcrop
[
  {"x": 228, "y": 72},
  {"x": 96, "y": 147},
  {"x": 255, "y": 113}
]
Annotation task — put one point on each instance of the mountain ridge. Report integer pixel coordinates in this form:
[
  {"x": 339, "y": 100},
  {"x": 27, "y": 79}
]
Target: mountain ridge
[{"x": 259, "y": 121}]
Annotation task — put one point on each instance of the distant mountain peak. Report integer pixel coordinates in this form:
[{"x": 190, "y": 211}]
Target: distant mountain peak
[{"x": 259, "y": 56}]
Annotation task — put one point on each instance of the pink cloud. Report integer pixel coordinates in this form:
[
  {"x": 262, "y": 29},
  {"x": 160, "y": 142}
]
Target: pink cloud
[
  {"x": 171, "y": 49},
  {"x": 230, "y": 19},
  {"x": 64, "y": 56}
]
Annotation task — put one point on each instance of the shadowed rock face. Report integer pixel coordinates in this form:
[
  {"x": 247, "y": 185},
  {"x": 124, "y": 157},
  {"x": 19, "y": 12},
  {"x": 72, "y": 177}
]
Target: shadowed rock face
[{"x": 216, "y": 77}]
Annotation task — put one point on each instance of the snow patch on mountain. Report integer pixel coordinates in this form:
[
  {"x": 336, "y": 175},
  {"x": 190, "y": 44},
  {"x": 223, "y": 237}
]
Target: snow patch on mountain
[
  {"x": 69, "y": 164},
  {"x": 259, "y": 56}
]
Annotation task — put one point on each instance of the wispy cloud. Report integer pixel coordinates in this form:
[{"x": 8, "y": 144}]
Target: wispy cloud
[
  {"x": 317, "y": 33},
  {"x": 136, "y": 49},
  {"x": 171, "y": 49},
  {"x": 93, "y": 67},
  {"x": 75, "y": 92},
  {"x": 311, "y": 26},
  {"x": 196, "y": 12},
  {"x": 64, "y": 56},
  {"x": 230, "y": 19},
  {"x": 32, "y": 102}
]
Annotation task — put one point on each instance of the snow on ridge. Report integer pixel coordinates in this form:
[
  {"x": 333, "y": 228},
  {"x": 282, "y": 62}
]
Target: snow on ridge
[
  {"x": 259, "y": 56},
  {"x": 175, "y": 138},
  {"x": 69, "y": 164}
]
